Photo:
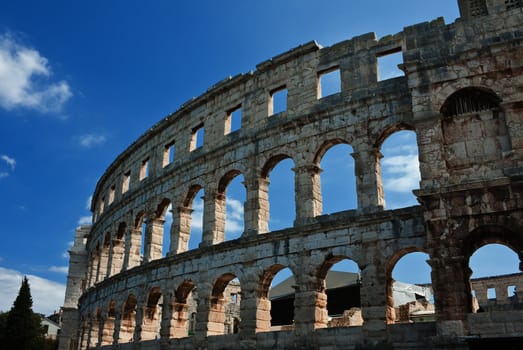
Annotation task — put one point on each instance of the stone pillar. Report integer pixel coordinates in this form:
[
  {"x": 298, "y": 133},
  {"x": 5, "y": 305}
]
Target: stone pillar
[
  {"x": 214, "y": 212},
  {"x": 151, "y": 319},
  {"x": 369, "y": 187},
  {"x": 179, "y": 317},
  {"x": 307, "y": 192},
  {"x": 254, "y": 313},
  {"x": 166, "y": 331},
  {"x": 451, "y": 285},
  {"x": 180, "y": 230},
  {"x": 135, "y": 247},
  {"x": 373, "y": 303},
  {"x": 103, "y": 263},
  {"x": 310, "y": 310},
  {"x": 107, "y": 334},
  {"x": 138, "y": 324},
  {"x": 76, "y": 283},
  {"x": 117, "y": 260},
  {"x": 109, "y": 266},
  {"x": 153, "y": 239},
  {"x": 257, "y": 206},
  {"x": 93, "y": 333},
  {"x": 117, "y": 326}
]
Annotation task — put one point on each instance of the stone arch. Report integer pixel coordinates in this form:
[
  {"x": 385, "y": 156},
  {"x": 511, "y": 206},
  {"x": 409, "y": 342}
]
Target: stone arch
[
  {"x": 264, "y": 318},
  {"x": 222, "y": 204},
  {"x": 476, "y": 112},
  {"x": 392, "y": 315},
  {"x": 217, "y": 319},
  {"x": 152, "y": 315},
  {"x": 344, "y": 308},
  {"x": 398, "y": 168},
  {"x": 128, "y": 320},
  {"x": 155, "y": 234},
  {"x": 264, "y": 190},
  {"x": 181, "y": 305},
  {"x": 488, "y": 234},
  {"x": 109, "y": 324},
  {"x": 328, "y": 184}
]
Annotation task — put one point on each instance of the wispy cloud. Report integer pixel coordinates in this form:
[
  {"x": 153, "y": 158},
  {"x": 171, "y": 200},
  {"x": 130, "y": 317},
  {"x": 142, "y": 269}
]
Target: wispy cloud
[
  {"x": 91, "y": 140},
  {"x": 59, "y": 269},
  {"x": 8, "y": 165},
  {"x": 85, "y": 220},
  {"x": 233, "y": 218},
  {"x": 401, "y": 173},
  {"x": 88, "y": 203},
  {"x": 47, "y": 295},
  {"x": 23, "y": 79}
]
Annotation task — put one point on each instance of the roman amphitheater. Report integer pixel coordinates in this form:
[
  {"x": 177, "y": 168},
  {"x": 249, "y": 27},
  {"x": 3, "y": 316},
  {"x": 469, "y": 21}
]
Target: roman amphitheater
[{"x": 461, "y": 92}]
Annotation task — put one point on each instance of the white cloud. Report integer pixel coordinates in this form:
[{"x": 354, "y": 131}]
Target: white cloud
[
  {"x": 23, "y": 75},
  {"x": 47, "y": 295},
  {"x": 10, "y": 161},
  {"x": 90, "y": 140},
  {"x": 197, "y": 215},
  {"x": 234, "y": 217},
  {"x": 88, "y": 203},
  {"x": 401, "y": 173},
  {"x": 85, "y": 220},
  {"x": 60, "y": 269},
  {"x": 65, "y": 254},
  {"x": 8, "y": 165}
]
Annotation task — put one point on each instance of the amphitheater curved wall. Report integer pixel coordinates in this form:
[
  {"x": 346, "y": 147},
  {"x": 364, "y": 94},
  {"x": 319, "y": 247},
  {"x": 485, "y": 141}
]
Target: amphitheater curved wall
[{"x": 462, "y": 94}]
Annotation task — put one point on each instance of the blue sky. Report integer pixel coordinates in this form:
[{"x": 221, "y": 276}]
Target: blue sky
[{"x": 80, "y": 81}]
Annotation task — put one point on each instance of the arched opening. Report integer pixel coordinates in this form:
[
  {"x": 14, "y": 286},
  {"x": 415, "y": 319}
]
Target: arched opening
[
  {"x": 108, "y": 331},
  {"x": 409, "y": 288},
  {"x": 183, "y": 305},
  {"x": 95, "y": 264},
  {"x": 340, "y": 285},
  {"x": 155, "y": 232},
  {"x": 128, "y": 322},
  {"x": 230, "y": 205},
  {"x": 196, "y": 220},
  {"x": 167, "y": 227},
  {"x": 223, "y": 306},
  {"x": 276, "y": 300},
  {"x": 280, "y": 202},
  {"x": 338, "y": 180},
  {"x": 152, "y": 315},
  {"x": 400, "y": 173},
  {"x": 476, "y": 113},
  {"x": 496, "y": 278}
]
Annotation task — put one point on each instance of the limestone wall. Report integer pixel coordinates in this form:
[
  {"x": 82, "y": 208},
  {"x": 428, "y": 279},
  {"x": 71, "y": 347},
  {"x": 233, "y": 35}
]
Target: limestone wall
[{"x": 462, "y": 94}]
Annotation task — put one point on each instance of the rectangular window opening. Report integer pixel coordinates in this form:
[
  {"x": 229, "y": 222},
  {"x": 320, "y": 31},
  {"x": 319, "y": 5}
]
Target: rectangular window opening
[
  {"x": 278, "y": 101},
  {"x": 388, "y": 64},
  {"x": 233, "y": 120},
  {"x": 168, "y": 154},
  {"x": 126, "y": 181},
  {"x": 329, "y": 82},
  {"x": 102, "y": 206},
  {"x": 511, "y": 291},
  {"x": 197, "y": 138},
  {"x": 491, "y": 293},
  {"x": 144, "y": 169}
]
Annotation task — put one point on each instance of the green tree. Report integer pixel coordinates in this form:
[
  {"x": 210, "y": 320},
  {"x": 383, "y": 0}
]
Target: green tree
[{"x": 23, "y": 330}]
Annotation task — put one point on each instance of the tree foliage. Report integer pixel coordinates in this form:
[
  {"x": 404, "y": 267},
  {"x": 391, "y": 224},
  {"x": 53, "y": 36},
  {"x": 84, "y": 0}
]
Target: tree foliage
[{"x": 22, "y": 329}]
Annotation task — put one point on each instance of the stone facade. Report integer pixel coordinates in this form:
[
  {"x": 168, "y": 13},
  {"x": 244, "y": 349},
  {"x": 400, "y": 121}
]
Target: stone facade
[{"x": 462, "y": 94}]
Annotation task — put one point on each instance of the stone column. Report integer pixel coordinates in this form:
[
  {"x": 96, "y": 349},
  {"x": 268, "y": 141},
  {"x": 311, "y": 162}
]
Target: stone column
[
  {"x": 138, "y": 324},
  {"x": 117, "y": 325},
  {"x": 369, "y": 187},
  {"x": 109, "y": 266},
  {"x": 254, "y": 313},
  {"x": 257, "y": 206},
  {"x": 307, "y": 189},
  {"x": 213, "y": 219},
  {"x": 117, "y": 256},
  {"x": 374, "y": 303},
  {"x": 135, "y": 246},
  {"x": 108, "y": 331},
  {"x": 103, "y": 267},
  {"x": 180, "y": 230},
  {"x": 166, "y": 329},
  {"x": 153, "y": 239},
  {"x": 151, "y": 318},
  {"x": 451, "y": 285}
]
